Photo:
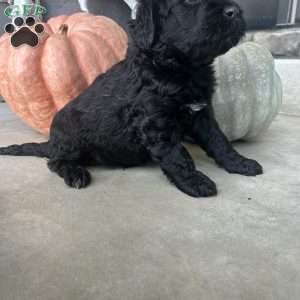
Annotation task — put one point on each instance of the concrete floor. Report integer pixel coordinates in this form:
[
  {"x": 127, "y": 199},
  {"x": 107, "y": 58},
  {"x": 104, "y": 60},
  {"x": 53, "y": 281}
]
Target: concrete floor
[{"x": 133, "y": 236}]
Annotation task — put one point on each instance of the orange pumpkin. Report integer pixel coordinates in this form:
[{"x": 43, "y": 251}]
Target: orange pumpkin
[{"x": 74, "y": 50}]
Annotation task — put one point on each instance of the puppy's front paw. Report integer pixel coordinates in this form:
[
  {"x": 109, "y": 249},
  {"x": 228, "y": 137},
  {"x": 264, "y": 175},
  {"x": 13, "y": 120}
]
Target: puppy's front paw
[
  {"x": 198, "y": 185},
  {"x": 79, "y": 178},
  {"x": 244, "y": 166}
]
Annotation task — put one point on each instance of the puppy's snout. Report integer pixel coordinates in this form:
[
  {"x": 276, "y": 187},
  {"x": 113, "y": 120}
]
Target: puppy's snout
[{"x": 231, "y": 11}]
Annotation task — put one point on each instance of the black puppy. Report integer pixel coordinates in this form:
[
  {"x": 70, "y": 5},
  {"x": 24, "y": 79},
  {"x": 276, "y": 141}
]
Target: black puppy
[{"x": 143, "y": 107}]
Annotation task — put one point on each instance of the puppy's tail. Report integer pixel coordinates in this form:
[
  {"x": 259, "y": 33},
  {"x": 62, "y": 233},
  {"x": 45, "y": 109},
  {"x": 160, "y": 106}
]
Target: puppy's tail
[{"x": 31, "y": 149}]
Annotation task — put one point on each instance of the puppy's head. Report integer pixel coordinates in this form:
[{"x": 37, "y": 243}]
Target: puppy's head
[{"x": 199, "y": 29}]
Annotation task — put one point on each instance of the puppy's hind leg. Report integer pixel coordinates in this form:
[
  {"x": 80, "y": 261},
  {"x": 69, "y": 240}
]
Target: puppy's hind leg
[{"x": 73, "y": 174}]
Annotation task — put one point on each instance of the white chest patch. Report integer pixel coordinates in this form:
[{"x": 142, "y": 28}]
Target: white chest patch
[{"x": 196, "y": 107}]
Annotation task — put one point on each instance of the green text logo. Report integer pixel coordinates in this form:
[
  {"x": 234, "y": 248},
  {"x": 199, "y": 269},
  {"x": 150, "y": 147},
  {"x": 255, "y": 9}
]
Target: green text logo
[{"x": 25, "y": 10}]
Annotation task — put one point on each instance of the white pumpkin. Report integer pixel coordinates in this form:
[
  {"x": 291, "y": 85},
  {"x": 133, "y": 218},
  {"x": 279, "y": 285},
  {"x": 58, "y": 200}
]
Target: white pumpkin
[{"x": 249, "y": 92}]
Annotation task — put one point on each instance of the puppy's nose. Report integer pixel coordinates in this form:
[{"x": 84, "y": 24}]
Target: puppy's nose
[{"x": 231, "y": 11}]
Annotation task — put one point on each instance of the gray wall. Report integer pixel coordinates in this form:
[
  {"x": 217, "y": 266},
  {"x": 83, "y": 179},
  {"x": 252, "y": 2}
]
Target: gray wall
[
  {"x": 116, "y": 9},
  {"x": 283, "y": 12},
  {"x": 260, "y": 13}
]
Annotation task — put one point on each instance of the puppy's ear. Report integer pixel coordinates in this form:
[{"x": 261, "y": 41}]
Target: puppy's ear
[{"x": 143, "y": 28}]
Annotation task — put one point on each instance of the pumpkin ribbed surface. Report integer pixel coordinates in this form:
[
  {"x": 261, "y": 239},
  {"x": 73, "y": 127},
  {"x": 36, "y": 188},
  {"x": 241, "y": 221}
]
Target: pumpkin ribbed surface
[
  {"x": 249, "y": 92},
  {"x": 37, "y": 82}
]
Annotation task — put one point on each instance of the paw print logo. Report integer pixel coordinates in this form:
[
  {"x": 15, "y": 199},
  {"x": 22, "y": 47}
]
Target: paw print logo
[{"x": 25, "y": 31}]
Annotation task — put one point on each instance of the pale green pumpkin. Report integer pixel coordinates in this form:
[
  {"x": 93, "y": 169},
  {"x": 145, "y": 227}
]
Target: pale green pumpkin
[{"x": 249, "y": 92}]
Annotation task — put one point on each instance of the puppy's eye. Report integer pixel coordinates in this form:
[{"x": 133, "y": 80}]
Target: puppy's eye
[{"x": 192, "y": 2}]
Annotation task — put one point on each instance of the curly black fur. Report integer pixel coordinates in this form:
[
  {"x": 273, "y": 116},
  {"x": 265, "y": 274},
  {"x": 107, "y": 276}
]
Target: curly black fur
[{"x": 142, "y": 109}]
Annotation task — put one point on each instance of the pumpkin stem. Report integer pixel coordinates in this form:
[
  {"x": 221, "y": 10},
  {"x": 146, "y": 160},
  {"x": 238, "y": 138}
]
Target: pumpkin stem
[{"x": 63, "y": 29}]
